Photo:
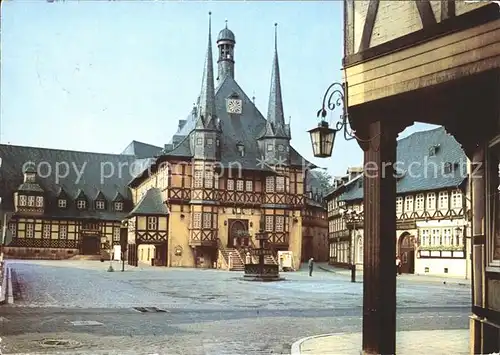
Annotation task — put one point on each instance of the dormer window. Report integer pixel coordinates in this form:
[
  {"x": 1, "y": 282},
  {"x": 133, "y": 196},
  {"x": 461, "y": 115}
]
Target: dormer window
[
  {"x": 448, "y": 168},
  {"x": 432, "y": 151},
  {"x": 23, "y": 200},
  {"x": 81, "y": 204},
  {"x": 99, "y": 205},
  {"x": 61, "y": 203},
  {"x": 241, "y": 149},
  {"x": 39, "y": 201},
  {"x": 270, "y": 147},
  {"x": 118, "y": 206}
]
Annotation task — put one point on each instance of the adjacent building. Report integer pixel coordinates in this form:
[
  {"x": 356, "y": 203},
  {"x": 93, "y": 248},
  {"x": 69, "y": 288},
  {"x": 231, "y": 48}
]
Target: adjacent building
[
  {"x": 227, "y": 173},
  {"x": 432, "y": 208}
]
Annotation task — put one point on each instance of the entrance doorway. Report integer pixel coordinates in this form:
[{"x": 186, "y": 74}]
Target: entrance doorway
[
  {"x": 238, "y": 233},
  {"x": 307, "y": 248},
  {"x": 91, "y": 245},
  {"x": 407, "y": 253}
]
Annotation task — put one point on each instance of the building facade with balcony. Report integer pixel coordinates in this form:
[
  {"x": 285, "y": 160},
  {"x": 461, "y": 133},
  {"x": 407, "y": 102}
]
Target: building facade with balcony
[
  {"x": 196, "y": 202},
  {"x": 432, "y": 204}
]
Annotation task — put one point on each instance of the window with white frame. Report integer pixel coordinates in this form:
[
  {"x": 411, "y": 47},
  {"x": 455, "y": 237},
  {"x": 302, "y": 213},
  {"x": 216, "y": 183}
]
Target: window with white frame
[
  {"x": 31, "y": 201},
  {"x": 419, "y": 202},
  {"x": 197, "y": 220},
  {"x": 280, "y": 183},
  {"x": 207, "y": 220},
  {"x": 61, "y": 203},
  {"x": 269, "y": 223},
  {"x": 447, "y": 237},
  {"x": 46, "y": 231},
  {"x": 280, "y": 224},
  {"x": 424, "y": 236},
  {"x": 456, "y": 199},
  {"x": 23, "y": 200},
  {"x": 270, "y": 184},
  {"x": 436, "y": 237},
  {"x": 198, "y": 179},
  {"x": 249, "y": 185},
  {"x": 239, "y": 185},
  {"x": 118, "y": 206},
  {"x": 443, "y": 200},
  {"x": 99, "y": 205},
  {"x": 30, "y": 230},
  {"x": 409, "y": 204},
  {"x": 209, "y": 179},
  {"x": 116, "y": 234},
  {"x": 431, "y": 201},
  {"x": 152, "y": 223},
  {"x": 39, "y": 201},
  {"x": 230, "y": 185},
  {"x": 81, "y": 204},
  {"x": 399, "y": 205},
  {"x": 215, "y": 221},
  {"x": 63, "y": 232}
]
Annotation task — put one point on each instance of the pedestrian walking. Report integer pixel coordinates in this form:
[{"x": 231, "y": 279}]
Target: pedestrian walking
[
  {"x": 398, "y": 265},
  {"x": 311, "y": 266}
]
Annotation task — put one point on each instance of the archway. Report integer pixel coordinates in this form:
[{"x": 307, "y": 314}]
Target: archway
[
  {"x": 238, "y": 233},
  {"x": 406, "y": 251}
]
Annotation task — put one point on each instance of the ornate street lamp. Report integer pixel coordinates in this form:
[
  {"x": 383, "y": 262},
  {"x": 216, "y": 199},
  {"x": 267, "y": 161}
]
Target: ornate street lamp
[{"x": 323, "y": 136}]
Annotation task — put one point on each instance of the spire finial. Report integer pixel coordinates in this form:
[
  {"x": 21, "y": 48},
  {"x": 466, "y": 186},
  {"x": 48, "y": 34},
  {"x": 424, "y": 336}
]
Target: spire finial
[
  {"x": 276, "y": 36},
  {"x": 210, "y": 22},
  {"x": 226, "y": 22}
]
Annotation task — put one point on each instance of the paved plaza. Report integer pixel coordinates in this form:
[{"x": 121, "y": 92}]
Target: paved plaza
[{"x": 78, "y": 308}]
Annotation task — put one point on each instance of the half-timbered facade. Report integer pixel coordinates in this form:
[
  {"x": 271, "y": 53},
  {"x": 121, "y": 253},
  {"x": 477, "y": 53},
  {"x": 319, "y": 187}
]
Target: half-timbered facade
[
  {"x": 433, "y": 224},
  {"x": 196, "y": 202},
  {"x": 435, "y": 62},
  {"x": 226, "y": 167},
  {"x": 63, "y": 203}
]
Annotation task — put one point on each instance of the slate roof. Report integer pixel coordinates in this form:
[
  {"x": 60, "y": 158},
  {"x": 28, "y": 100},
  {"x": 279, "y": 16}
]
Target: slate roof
[
  {"x": 417, "y": 171},
  {"x": 141, "y": 150},
  {"x": 150, "y": 204},
  {"x": 244, "y": 128},
  {"x": 91, "y": 182}
]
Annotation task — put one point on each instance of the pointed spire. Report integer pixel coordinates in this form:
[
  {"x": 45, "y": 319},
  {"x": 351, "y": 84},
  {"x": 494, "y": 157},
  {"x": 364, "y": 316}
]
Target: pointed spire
[
  {"x": 275, "y": 109},
  {"x": 207, "y": 95}
]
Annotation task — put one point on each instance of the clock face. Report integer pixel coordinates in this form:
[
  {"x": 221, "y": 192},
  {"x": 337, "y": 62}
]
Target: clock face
[
  {"x": 234, "y": 106},
  {"x": 281, "y": 148}
]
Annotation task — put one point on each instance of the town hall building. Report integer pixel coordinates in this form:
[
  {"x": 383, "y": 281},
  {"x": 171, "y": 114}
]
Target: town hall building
[{"x": 227, "y": 173}]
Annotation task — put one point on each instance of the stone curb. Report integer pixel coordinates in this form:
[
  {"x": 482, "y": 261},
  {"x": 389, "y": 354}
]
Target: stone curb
[
  {"x": 3, "y": 288},
  {"x": 296, "y": 345},
  {"x": 448, "y": 282},
  {"x": 10, "y": 290}
]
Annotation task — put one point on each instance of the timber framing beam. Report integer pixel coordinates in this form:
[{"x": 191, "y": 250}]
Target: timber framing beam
[
  {"x": 369, "y": 24},
  {"x": 426, "y": 14}
]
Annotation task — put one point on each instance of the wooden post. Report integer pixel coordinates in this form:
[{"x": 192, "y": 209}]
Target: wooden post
[{"x": 379, "y": 274}]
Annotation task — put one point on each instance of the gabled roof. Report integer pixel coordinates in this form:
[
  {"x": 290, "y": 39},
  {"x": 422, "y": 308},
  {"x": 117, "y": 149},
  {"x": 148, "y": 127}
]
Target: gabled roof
[
  {"x": 78, "y": 171},
  {"x": 80, "y": 195},
  {"x": 417, "y": 170},
  {"x": 150, "y": 204},
  {"x": 30, "y": 187},
  {"x": 244, "y": 128},
  {"x": 100, "y": 196}
]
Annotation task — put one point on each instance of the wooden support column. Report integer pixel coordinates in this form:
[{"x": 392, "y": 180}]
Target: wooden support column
[{"x": 379, "y": 270}]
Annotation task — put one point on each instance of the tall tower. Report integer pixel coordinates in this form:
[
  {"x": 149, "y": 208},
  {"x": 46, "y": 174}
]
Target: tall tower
[
  {"x": 225, "y": 42},
  {"x": 205, "y": 140},
  {"x": 275, "y": 138}
]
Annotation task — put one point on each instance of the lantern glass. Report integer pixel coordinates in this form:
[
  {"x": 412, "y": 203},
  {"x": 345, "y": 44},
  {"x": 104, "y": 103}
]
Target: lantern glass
[{"x": 322, "y": 139}]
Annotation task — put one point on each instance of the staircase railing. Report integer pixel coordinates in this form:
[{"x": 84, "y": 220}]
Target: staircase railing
[
  {"x": 222, "y": 255},
  {"x": 255, "y": 259}
]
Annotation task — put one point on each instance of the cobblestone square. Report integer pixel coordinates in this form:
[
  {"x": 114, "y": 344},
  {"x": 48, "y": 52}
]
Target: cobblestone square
[{"x": 149, "y": 310}]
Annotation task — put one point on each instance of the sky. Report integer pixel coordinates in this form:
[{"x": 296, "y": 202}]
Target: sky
[{"x": 95, "y": 75}]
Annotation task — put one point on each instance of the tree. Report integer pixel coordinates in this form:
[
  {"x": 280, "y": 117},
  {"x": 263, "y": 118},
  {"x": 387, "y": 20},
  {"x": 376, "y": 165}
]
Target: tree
[{"x": 325, "y": 179}]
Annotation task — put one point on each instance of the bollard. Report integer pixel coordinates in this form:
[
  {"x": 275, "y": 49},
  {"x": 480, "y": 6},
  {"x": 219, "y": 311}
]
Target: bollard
[
  {"x": 353, "y": 273},
  {"x": 230, "y": 260}
]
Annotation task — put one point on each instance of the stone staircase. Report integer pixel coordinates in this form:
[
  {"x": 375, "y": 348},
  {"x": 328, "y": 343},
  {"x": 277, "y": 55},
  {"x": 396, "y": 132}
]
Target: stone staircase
[{"x": 236, "y": 261}]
